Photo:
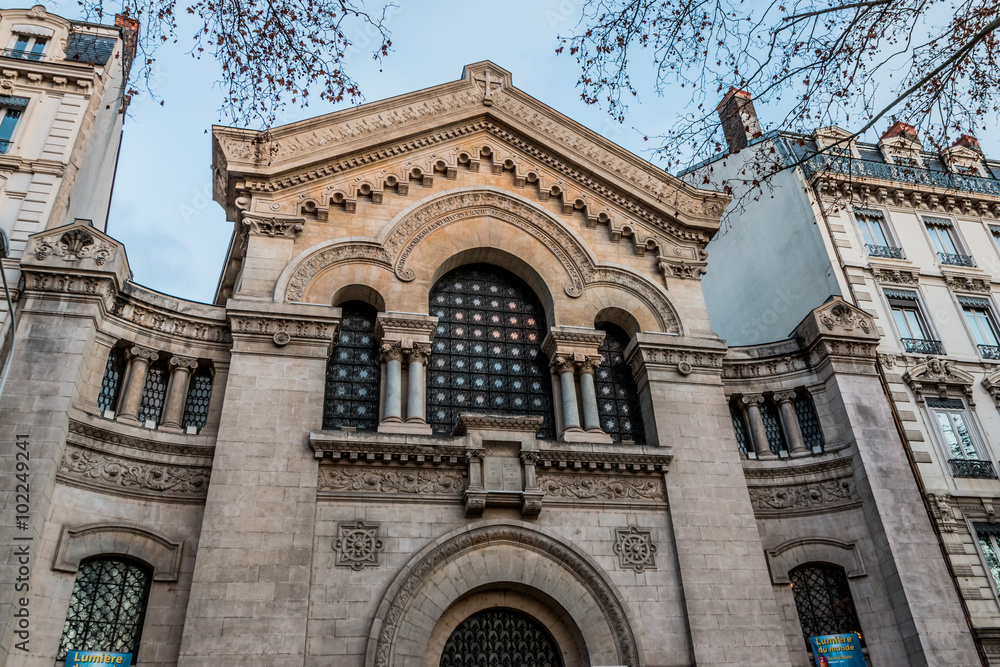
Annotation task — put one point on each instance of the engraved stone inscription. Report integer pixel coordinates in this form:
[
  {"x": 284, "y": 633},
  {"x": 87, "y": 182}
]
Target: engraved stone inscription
[{"x": 502, "y": 473}]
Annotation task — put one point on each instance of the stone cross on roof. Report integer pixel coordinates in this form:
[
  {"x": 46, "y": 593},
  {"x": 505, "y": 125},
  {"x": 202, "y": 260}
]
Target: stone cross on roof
[{"x": 490, "y": 84}]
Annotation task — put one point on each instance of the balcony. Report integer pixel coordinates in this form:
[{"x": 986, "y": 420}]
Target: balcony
[
  {"x": 20, "y": 54},
  {"x": 972, "y": 468},
  {"x": 900, "y": 173},
  {"x": 990, "y": 351},
  {"x": 956, "y": 260},
  {"x": 888, "y": 252},
  {"x": 922, "y": 346}
]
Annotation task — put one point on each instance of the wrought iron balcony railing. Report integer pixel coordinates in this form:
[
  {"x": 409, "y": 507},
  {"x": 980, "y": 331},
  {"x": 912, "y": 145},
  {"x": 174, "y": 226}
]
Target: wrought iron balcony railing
[
  {"x": 956, "y": 260},
  {"x": 4, "y": 146},
  {"x": 20, "y": 54},
  {"x": 922, "y": 346},
  {"x": 990, "y": 351},
  {"x": 884, "y": 251},
  {"x": 839, "y": 164},
  {"x": 972, "y": 468}
]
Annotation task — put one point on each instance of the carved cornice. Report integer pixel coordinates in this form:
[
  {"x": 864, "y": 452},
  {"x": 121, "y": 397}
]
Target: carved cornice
[
  {"x": 272, "y": 226},
  {"x": 675, "y": 268},
  {"x": 468, "y": 421},
  {"x": 281, "y": 328},
  {"x": 576, "y": 486},
  {"x": 604, "y": 461},
  {"x": 940, "y": 375},
  {"x": 345, "y": 446},
  {"x": 964, "y": 282},
  {"x": 895, "y": 275},
  {"x": 749, "y": 369},
  {"x": 83, "y": 467},
  {"x": 392, "y": 480},
  {"x": 795, "y": 468},
  {"x": 111, "y": 437},
  {"x": 171, "y": 323},
  {"x": 68, "y": 284},
  {"x": 992, "y": 384},
  {"x": 912, "y": 194}
]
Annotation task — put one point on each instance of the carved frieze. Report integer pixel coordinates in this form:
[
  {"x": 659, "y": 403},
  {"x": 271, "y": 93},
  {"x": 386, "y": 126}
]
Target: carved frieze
[
  {"x": 112, "y": 437},
  {"x": 686, "y": 359},
  {"x": 965, "y": 283},
  {"x": 738, "y": 369},
  {"x": 170, "y": 322},
  {"x": 113, "y": 472},
  {"x": 267, "y": 325},
  {"x": 601, "y": 487},
  {"x": 449, "y": 482},
  {"x": 803, "y": 497},
  {"x": 895, "y": 276},
  {"x": 60, "y": 283}
]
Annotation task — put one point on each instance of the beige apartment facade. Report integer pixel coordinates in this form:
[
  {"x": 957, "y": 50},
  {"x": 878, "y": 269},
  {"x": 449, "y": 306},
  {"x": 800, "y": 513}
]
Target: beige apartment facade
[{"x": 458, "y": 394}]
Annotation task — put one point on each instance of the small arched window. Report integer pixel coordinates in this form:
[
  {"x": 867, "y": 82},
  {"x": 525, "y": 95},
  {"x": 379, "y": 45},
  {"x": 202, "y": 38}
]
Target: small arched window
[
  {"x": 354, "y": 371},
  {"x": 107, "y": 607},
  {"x": 823, "y": 601},
  {"x": 154, "y": 392},
  {"x": 114, "y": 374},
  {"x": 617, "y": 397},
  {"x": 198, "y": 397}
]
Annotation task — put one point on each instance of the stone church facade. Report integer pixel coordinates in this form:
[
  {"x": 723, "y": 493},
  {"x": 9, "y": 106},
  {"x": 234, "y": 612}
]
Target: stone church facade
[{"x": 457, "y": 393}]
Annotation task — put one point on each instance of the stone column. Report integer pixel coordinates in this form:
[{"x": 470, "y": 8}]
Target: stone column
[
  {"x": 416, "y": 388},
  {"x": 564, "y": 367},
  {"x": 177, "y": 390},
  {"x": 128, "y": 407},
  {"x": 757, "y": 431},
  {"x": 392, "y": 356},
  {"x": 796, "y": 443},
  {"x": 588, "y": 394}
]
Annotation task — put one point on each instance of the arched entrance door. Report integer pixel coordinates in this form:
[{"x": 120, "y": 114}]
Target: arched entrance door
[{"x": 500, "y": 637}]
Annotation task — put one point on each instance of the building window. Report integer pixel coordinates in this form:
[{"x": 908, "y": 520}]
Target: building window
[
  {"x": 989, "y": 542},
  {"x": 154, "y": 391},
  {"x": 27, "y": 47},
  {"x": 107, "y": 607},
  {"x": 979, "y": 317},
  {"x": 740, "y": 427},
  {"x": 954, "y": 428},
  {"x": 995, "y": 233},
  {"x": 808, "y": 420},
  {"x": 486, "y": 356},
  {"x": 772, "y": 426},
  {"x": 500, "y": 636},
  {"x": 114, "y": 374},
  {"x": 354, "y": 371},
  {"x": 617, "y": 398},
  {"x": 944, "y": 241},
  {"x": 823, "y": 601},
  {"x": 870, "y": 224},
  {"x": 11, "y": 109},
  {"x": 198, "y": 397},
  {"x": 910, "y": 323}
]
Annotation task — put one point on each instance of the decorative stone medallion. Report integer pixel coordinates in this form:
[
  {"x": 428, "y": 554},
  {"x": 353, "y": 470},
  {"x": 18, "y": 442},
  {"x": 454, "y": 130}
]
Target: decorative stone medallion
[
  {"x": 635, "y": 549},
  {"x": 358, "y": 545}
]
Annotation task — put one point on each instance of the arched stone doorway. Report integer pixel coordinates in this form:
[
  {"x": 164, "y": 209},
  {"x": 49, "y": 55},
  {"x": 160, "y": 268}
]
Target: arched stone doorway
[{"x": 500, "y": 637}]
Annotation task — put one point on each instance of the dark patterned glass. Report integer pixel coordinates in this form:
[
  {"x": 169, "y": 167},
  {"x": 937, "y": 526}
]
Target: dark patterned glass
[
  {"x": 354, "y": 371},
  {"x": 199, "y": 395},
  {"x": 812, "y": 434},
  {"x": 500, "y": 637},
  {"x": 740, "y": 426},
  {"x": 114, "y": 373},
  {"x": 823, "y": 600},
  {"x": 486, "y": 356},
  {"x": 617, "y": 398},
  {"x": 107, "y": 607},
  {"x": 154, "y": 391},
  {"x": 772, "y": 426}
]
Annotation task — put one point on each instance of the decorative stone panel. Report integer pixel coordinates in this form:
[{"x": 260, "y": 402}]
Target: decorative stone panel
[
  {"x": 358, "y": 545},
  {"x": 635, "y": 549}
]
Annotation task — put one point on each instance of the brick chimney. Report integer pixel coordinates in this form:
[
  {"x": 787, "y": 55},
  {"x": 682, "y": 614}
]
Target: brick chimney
[
  {"x": 130, "y": 36},
  {"x": 969, "y": 142},
  {"x": 739, "y": 119},
  {"x": 899, "y": 127}
]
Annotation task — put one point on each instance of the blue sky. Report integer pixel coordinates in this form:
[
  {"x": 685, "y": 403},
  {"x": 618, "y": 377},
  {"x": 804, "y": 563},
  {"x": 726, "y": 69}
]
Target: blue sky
[{"x": 163, "y": 211}]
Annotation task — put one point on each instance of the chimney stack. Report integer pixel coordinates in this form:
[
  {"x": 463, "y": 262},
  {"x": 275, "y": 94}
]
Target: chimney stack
[
  {"x": 130, "y": 37},
  {"x": 739, "y": 119},
  {"x": 969, "y": 142},
  {"x": 899, "y": 127}
]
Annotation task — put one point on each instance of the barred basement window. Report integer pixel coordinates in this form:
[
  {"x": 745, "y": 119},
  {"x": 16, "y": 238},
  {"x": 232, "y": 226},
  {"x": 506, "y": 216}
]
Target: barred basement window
[
  {"x": 740, "y": 427},
  {"x": 154, "y": 392},
  {"x": 772, "y": 426},
  {"x": 805, "y": 411},
  {"x": 114, "y": 373},
  {"x": 198, "y": 397},
  {"x": 486, "y": 356},
  {"x": 354, "y": 371},
  {"x": 617, "y": 397},
  {"x": 823, "y": 600},
  {"x": 107, "y": 607},
  {"x": 989, "y": 542}
]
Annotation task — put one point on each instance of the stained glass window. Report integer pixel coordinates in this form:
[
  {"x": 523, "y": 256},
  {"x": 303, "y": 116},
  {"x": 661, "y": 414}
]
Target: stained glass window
[
  {"x": 154, "y": 392},
  {"x": 114, "y": 373},
  {"x": 107, "y": 607},
  {"x": 805, "y": 411},
  {"x": 198, "y": 397},
  {"x": 500, "y": 637},
  {"x": 740, "y": 427},
  {"x": 354, "y": 371},
  {"x": 617, "y": 398},
  {"x": 772, "y": 426},
  {"x": 823, "y": 600},
  {"x": 486, "y": 356}
]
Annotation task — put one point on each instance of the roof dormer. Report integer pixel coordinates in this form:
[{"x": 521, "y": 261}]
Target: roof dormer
[
  {"x": 901, "y": 145},
  {"x": 964, "y": 156},
  {"x": 835, "y": 140},
  {"x": 32, "y": 34}
]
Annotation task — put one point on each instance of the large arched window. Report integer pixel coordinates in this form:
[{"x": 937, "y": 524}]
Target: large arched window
[
  {"x": 823, "y": 600},
  {"x": 617, "y": 398},
  {"x": 500, "y": 637},
  {"x": 107, "y": 607},
  {"x": 486, "y": 356},
  {"x": 154, "y": 392},
  {"x": 354, "y": 371}
]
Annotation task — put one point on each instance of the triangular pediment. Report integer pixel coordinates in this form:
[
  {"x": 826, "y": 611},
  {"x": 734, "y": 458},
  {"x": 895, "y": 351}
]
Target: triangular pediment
[{"x": 522, "y": 133}]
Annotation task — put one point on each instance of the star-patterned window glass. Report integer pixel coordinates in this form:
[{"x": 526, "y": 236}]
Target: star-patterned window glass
[
  {"x": 198, "y": 397},
  {"x": 500, "y": 637},
  {"x": 617, "y": 398},
  {"x": 107, "y": 607},
  {"x": 114, "y": 373},
  {"x": 354, "y": 371},
  {"x": 486, "y": 357},
  {"x": 823, "y": 601},
  {"x": 154, "y": 392}
]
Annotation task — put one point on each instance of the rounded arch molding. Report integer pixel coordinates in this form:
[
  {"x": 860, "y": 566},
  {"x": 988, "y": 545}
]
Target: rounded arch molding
[
  {"x": 420, "y": 221},
  {"x": 403, "y": 624},
  {"x": 100, "y": 539}
]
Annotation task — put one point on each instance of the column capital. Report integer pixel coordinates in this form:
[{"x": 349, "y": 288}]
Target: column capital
[
  {"x": 416, "y": 351},
  {"x": 752, "y": 399},
  {"x": 272, "y": 226},
  {"x": 589, "y": 364},
  {"x": 561, "y": 365},
  {"x": 391, "y": 351},
  {"x": 142, "y": 352},
  {"x": 187, "y": 363},
  {"x": 784, "y": 396}
]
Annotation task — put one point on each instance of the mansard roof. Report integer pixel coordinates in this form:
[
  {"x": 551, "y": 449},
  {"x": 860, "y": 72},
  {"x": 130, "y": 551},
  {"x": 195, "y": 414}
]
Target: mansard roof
[{"x": 484, "y": 100}]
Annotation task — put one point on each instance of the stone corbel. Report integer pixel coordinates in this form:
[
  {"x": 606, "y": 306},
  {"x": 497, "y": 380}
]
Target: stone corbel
[
  {"x": 272, "y": 226},
  {"x": 531, "y": 504},
  {"x": 683, "y": 269},
  {"x": 992, "y": 384}
]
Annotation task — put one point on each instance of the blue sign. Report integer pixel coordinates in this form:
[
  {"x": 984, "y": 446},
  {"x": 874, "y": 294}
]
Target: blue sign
[
  {"x": 834, "y": 650},
  {"x": 92, "y": 658}
]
